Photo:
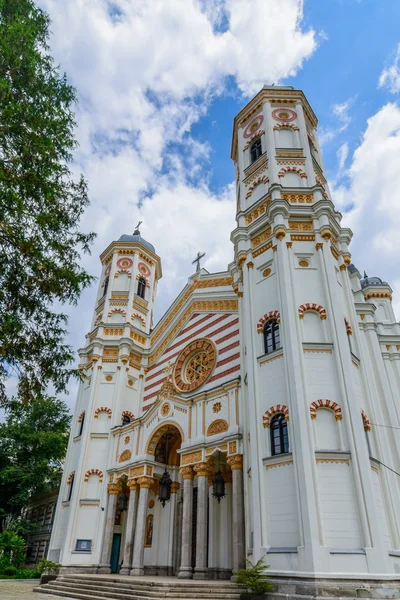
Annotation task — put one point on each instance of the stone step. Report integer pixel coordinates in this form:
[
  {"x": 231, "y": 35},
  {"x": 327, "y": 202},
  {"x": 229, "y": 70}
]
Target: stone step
[
  {"x": 124, "y": 591},
  {"x": 153, "y": 584}
]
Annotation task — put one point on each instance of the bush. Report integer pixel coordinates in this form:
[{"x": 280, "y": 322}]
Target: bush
[
  {"x": 48, "y": 567},
  {"x": 253, "y": 578},
  {"x": 10, "y": 571},
  {"x": 12, "y": 549},
  {"x": 28, "y": 574}
]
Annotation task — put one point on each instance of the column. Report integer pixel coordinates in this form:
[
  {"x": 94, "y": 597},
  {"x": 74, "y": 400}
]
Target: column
[
  {"x": 200, "y": 571},
  {"x": 238, "y": 550},
  {"x": 113, "y": 491},
  {"x": 140, "y": 531},
  {"x": 130, "y": 527},
  {"x": 185, "y": 572},
  {"x": 172, "y": 529}
]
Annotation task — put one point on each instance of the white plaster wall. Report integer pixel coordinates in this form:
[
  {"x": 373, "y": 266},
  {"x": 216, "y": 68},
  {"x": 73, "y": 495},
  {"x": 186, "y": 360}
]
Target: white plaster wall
[
  {"x": 327, "y": 430},
  {"x": 338, "y": 506},
  {"x": 381, "y": 511},
  {"x": 282, "y": 507}
]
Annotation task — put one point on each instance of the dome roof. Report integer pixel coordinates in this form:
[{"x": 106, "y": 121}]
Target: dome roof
[
  {"x": 367, "y": 281},
  {"x": 137, "y": 238}
]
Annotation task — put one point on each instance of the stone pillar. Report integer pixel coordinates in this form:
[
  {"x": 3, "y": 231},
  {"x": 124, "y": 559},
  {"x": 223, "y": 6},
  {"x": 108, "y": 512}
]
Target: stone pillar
[
  {"x": 200, "y": 571},
  {"x": 140, "y": 530},
  {"x": 186, "y": 572},
  {"x": 113, "y": 491},
  {"x": 130, "y": 527},
  {"x": 238, "y": 554}
]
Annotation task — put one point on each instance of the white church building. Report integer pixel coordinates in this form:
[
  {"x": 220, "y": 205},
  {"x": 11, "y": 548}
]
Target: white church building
[{"x": 270, "y": 392}]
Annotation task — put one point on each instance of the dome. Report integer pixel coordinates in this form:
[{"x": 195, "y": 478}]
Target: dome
[
  {"x": 137, "y": 238},
  {"x": 367, "y": 281}
]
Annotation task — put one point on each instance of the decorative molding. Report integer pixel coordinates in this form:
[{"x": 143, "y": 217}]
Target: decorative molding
[
  {"x": 284, "y": 463},
  {"x": 127, "y": 413},
  {"x": 262, "y": 249},
  {"x": 272, "y": 358},
  {"x": 314, "y": 307},
  {"x": 193, "y": 457},
  {"x": 91, "y": 472},
  {"x": 81, "y": 416},
  {"x": 258, "y": 168},
  {"x": 333, "y": 460},
  {"x": 117, "y": 310},
  {"x": 113, "y": 331},
  {"x": 218, "y": 426},
  {"x": 314, "y": 406},
  {"x": 235, "y": 462},
  {"x": 261, "y": 237},
  {"x": 140, "y": 317},
  {"x": 255, "y": 135},
  {"x": 145, "y": 482},
  {"x": 258, "y": 181},
  {"x": 257, "y": 212},
  {"x": 102, "y": 409},
  {"x": 136, "y": 471},
  {"x": 194, "y": 365},
  {"x": 298, "y": 237},
  {"x": 126, "y": 455},
  {"x": 186, "y": 472},
  {"x": 275, "y": 410},
  {"x": 70, "y": 477},
  {"x": 349, "y": 329},
  {"x": 293, "y": 169},
  {"x": 266, "y": 272},
  {"x": 217, "y": 407},
  {"x": 301, "y": 226},
  {"x": 298, "y": 198},
  {"x": 123, "y": 271},
  {"x": 232, "y": 447},
  {"x": 286, "y": 126},
  {"x": 273, "y": 314},
  {"x": 374, "y": 294}
]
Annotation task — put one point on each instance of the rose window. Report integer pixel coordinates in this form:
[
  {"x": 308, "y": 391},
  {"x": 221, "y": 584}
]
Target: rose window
[{"x": 194, "y": 365}]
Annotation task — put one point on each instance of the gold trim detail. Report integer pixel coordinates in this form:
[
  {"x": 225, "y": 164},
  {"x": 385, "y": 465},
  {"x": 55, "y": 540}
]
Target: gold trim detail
[
  {"x": 193, "y": 457},
  {"x": 262, "y": 237},
  {"x": 218, "y": 426},
  {"x": 298, "y": 198},
  {"x": 333, "y": 460},
  {"x": 235, "y": 462},
  {"x": 262, "y": 249},
  {"x": 301, "y": 226},
  {"x": 280, "y": 464}
]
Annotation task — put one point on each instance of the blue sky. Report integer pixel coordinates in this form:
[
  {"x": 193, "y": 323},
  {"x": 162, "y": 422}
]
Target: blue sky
[{"x": 159, "y": 83}]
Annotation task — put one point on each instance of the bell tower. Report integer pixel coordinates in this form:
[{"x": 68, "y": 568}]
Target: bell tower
[{"x": 311, "y": 489}]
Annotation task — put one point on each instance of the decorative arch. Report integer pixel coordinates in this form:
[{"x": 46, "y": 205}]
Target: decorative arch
[
  {"x": 91, "y": 472},
  {"x": 274, "y": 410},
  {"x": 348, "y": 327},
  {"x": 311, "y": 306},
  {"x": 126, "y": 455},
  {"x": 256, "y": 134},
  {"x": 70, "y": 477},
  {"x": 159, "y": 432},
  {"x": 286, "y": 125},
  {"x": 98, "y": 319},
  {"x": 366, "y": 421},
  {"x": 217, "y": 426},
  {"x": 292, "y": 169},
  {"x": 273, "y": 314},
  {"x": 127, "y": 413},
  {"x": 140, "y": 317},
  {"x": 256, "y": 182},
  {"x": 314, "y": 406},
  {"x": 139, "y": 275},
  {"x": 81, "y": 416},
  {"x": 117, "y": 310},
  {"x": 102, "y": 409},
  {"x": 121, "y": 271}
]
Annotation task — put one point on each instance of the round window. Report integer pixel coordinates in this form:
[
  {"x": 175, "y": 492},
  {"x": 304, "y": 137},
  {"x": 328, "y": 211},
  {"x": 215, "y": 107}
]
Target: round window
[{"x": 194, "y": 365}]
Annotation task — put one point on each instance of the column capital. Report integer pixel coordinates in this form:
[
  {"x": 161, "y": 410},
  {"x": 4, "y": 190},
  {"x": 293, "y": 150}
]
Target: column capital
[
  {"x": 186, "y": 472},
  {"x": 113, "y": 489},
  {"x": 132, "y": 484},
  {"x": 235, "y": 462},
  {"x": 201, "y": 469},
  {"x": 174, "y": 487},
  {"x": 145, "y": 482}
]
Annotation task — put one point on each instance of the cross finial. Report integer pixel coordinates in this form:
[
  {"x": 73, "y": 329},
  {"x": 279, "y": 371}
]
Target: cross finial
[
  {"x": 137, "y": 232},
  {"x": 197, "y": 260},
  {"x": 168, "y": 370}
]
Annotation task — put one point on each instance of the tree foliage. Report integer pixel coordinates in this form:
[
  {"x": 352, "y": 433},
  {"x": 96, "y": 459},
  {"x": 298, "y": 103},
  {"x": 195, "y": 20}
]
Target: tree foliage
[
  {"x": 40, "y": 205},
  {"x": 254, "y": 579},
  {"x": 33, "y": 443}
]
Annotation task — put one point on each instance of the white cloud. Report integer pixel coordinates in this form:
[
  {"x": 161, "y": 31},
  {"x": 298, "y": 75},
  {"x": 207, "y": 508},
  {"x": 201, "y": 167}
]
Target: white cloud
[
  {"x": 390, "y": 76},
  {"x": 342, "y": 155},
  {"x": 340, "y": 112},
  {"x": 145, "y": 72},
  {"x": 373, "y": 196}
]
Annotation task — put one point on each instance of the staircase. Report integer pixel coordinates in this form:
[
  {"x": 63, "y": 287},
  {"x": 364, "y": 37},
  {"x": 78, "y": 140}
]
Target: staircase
[{"x": 109, "y": 587}]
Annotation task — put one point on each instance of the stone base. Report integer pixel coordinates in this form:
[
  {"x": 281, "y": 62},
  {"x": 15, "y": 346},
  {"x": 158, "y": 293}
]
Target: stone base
[
  {"x": 158, "y": 571},
  {"x": 104, "y": 570},
  {"x": 125, "y": 571},
  {"x": 200, "y": 574},
  {"x": 337, "y": 588},
  {"x": 137, "y": 571},
  {"x": 89, "y": 570},
  {"x": 185, "y": 573}
]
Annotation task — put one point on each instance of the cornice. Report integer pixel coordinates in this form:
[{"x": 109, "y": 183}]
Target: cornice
[{"x": 113, "y": 246}]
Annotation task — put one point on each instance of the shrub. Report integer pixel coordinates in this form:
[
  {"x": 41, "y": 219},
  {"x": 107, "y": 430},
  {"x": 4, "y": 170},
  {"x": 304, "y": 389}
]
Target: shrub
[
  {"x": 253, "y": 578},
  {"x": 48, "y": 567},
  {"x": 10, "y": 571},
  {"x": 28, "y": 574},
  {"x": 12, "y": 549}
]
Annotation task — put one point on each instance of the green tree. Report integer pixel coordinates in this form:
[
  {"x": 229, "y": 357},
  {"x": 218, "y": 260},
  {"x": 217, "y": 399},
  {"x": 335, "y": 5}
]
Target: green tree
[
  {"x": 12, "y": 550},
  {"x": 33, "y": 443},
  {"x": 40, "y": 206}
]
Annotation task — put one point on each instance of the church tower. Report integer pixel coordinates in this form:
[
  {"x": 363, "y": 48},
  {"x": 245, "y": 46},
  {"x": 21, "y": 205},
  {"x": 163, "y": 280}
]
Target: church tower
[{"x": 318, "y": 499}]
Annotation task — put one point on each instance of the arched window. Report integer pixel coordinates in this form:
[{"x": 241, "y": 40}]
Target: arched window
[
  {"x": 141, "y": 288},
  {"x": 71, "y": 485},
  {"x": 126, "y": 420},
  {"x": 255, "y": 150},
  {"x": 272, "y": 340},
  {"x": 106, "y": 280},
  {"x": 279, "y": 435},
  {"x": 81, "y": 424}
]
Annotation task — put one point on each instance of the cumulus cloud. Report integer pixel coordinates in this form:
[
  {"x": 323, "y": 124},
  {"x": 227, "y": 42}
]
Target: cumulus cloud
[
  {"x": 390, "y": 76},
  {"x": 341, "y": 114},
  {"x": 371, "y": 197},
  {"x": 146, "y": 72}
]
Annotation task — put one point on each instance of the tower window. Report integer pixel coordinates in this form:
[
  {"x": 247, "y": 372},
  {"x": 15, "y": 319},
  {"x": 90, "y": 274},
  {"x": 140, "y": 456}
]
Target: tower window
[
  {"x": 71, "y": 485},
  {"x": 255, "y": 150},
  {"x": 81, "y": 424},
  {"x": 141, "y": 288},
  {"x": 106, "y": 280},
  {"x": 279, "y": 435},
  {"x": 126, "y": 420},
  {"x": 272, "y": 339}
]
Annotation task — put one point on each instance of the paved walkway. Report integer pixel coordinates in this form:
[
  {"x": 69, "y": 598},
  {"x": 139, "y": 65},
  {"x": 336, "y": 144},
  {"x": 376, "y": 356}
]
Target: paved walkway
[{"x": 22, "y": 590}]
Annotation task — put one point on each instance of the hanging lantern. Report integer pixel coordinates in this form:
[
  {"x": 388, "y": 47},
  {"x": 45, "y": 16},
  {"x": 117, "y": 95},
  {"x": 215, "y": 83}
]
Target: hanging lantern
[
  {"x": 165, "y": 488},
  {"x": 219, "y": 487}
]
